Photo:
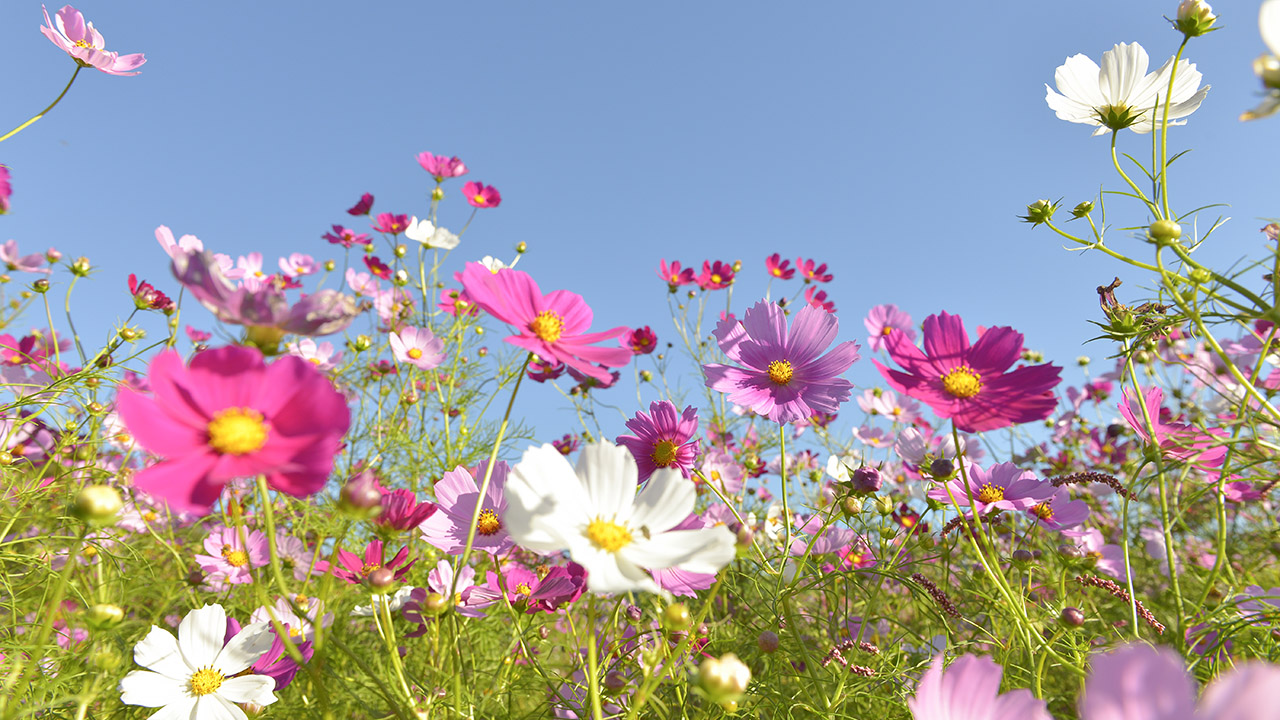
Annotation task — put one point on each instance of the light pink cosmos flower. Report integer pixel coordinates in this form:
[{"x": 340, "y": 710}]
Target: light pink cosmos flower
[
  {"x": 970, "y": 690},
  {"x": 174, "y": 248},
  {"x": 456, "y": 496},
  {"x": 1176, "y": 440},
  {"x": 418, "y": 347},
  {"x": 722, "y": 471},
  {"x": 663, "y": 439},
  {"x": 84, "y": 43},
  {"x": 440, "y": 167},
  {"x": 1002, "y": 486},
  {"x": 319, "y": 354},
  {"x": 230, "y": 415},
  {"x": 230, "y": 559},
  {"x": 1109, "y": 558},
  {"x": 1139, "y": 682},
  {"x": 784, "y": 376},
  {"x": 1060, "y": 512},
  {"x": 16, "y": 262},
  {"x": 6, "y": 190},
  {"x": 299, "y": 264},
  {"x": 674, "y": 276},
  {"x": 482, "y": 196},
  {"x": 362, "y": 283},
  {"x": 552, "y": 326},
  {"x": 883, "y": 320}
]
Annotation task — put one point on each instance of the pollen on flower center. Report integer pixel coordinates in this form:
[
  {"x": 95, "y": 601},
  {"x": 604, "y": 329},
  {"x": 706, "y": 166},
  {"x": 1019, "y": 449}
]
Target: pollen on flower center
[
  {"x": 547, "y": 326},
  {"x": 887, "y": 329},
  {"x": 664, "y": 453},
  {"x": 715, "y": 278},
  {"x": 479, "y": 199},
  {"x": 238, "y": 558},
  {"x": 237, "y": 431},
  {"x": 608, "y": 535},
  {"x": 962, "y": 382},
  {"x": 523, "y": 589},
  {"x": 205, "y": 681},
  {"x": 414, "y": 353},
  {"x": 488, "y": 523},
  {"x": 990, "y": 493},
  {"x": 1043, "y": 510},
  {"x": 780, "y": 371}
]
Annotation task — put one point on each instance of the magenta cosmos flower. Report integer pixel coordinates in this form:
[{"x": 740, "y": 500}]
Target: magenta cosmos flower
[
  {"x": 1176, "y": 440},
  {"x": 778, "y": 267},
  {"x": 456, "y": 496},
  {"x": 970, "y": 690},
  {"x": 6, "y": 190},
  {"x": 971, "y": 385},
  {"x": 230, "y": 415},
  {"x": 482, "y": 196},
  {"x": 1003, "y": 487},
  {"x": 783, "y": 378},
  {"x": 441, "y": 167},
  {"x": 84, "y": 43},
  {"x": 663, "y": 439},
  {"x": 356, "y": 569},
  {"x": 552, "y": 326}
]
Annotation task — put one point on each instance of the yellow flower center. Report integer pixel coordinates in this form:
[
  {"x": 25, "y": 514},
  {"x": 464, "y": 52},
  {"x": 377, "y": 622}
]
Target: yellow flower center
[
  {"x": 547, "y": 326},
  {"x": 295, "y": 632},
  {"x": 780, "y": 371},
  {"x": 83, "y": 44},
  {"x": 367, "y": 568},
  {"x": 523, "y": 589},
  {"x": 238, "y": 558},
  {"x": 990, "y": 493},
  {"x": 715, "y": 278},
  {"x": 664, "y": 453},
  {"x": 205, "y": 681},
  {"x": 608, "y": 535},
  {"x": 414, "y": 353},
  {"x": 478, "y": 199},
  {"x": 237, "y": 431},
  {"x": 488, "y": 523},
  {"x": 962, "y": 382},
  {"x": 886, "y": 330},
  {"x": 1043, "y": 510}
]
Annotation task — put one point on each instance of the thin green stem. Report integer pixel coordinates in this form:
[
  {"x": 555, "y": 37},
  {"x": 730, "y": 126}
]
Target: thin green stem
[{"x": 45, "y": 111}]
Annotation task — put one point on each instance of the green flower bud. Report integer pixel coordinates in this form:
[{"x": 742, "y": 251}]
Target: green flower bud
[
  {"x": 104, "y": 615},
  {"x": 81, "y": 267},
  {"x": 676, "y": 618},
  {"x": 362, "y": 343},
  {"x": 724, "y": 679},
  {"x": 521, "y": 247},
  {"x": 1040, "y": 211},
  {"x": 1082, "y": 209},
  {"x": 437, "y": 194},
  {"x": 1195, "y": 18},
  {"x": 1164, "y": 231},
  {"x": 1199, "y": 276},
  {"x": 97, "y": 504}
]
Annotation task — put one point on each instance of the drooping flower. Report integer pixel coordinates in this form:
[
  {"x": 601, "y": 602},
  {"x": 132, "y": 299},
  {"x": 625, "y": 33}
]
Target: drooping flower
[
  {"x": 882, "y": 320},
  {"x": 231, "y": 415},
  {"x": 195, "y": 674},
  {"x": 594, "y": 514},
  {"x": 812, "y": 272},
  {"x": 784, "y": 377},
  {"x": 85, "y": 44},
  {"x": 1122, "y": 94},
  {"x": 417, "y": 346},
  {"x": 552, "y": 326},
  {"x": 663, "y": 439},
  {"x": 778, "y": 267},
  {"x": 970, "y": 690},
  {"x": 1003, "y": 486},
  {"x": 456, "y": 496},
  {"x": 970, "y": 384},
  {"x": 440, "y": 167},
  {"x": 362, "y": 206},
  {"x": 481, "y": 196}
]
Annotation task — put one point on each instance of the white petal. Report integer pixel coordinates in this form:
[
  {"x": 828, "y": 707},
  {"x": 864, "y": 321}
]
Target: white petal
[
  {"x": 150, "y": 689},
  {"x": 1077, "y": 79},
  {"x": 544, "y": 499},
  {"x": 1269, "y": 25},
  {"x": 609, "y": 476},
  {"x": 444, "y": 239},
  {"x": 185, "y": 709},
  {"x": 612, "y": 572},
  {"x": 249, "y": 688},
  {"x": 215, "y": 707},
  {"x": 1270, "y": 104},
  {"x": 667, "y": 499},
  {"x": 200, "y": 635},
  {"x": 244, "y": 649},
  {"x": 1123, "y": 69},
  {"x": 704, "y": 551},
  {"x": 159, "y": 651}
]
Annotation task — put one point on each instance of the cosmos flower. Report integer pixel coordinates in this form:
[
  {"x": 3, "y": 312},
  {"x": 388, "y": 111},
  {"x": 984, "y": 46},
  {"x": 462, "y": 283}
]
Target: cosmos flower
[
  {"x": 970, "y": 690},
  {"x": 425, "y": 232},
  {"x": 346, "y": 237},
  {"x": 715, "y": 276},
  {"x": 674, "y": 275},
  {"x": 882, "y": 320},
  {"x": 1002, "y": 486},
  {"x": 640, "y": 341},
  {"x": 440, "y": 167},
  {"x": 778, "y": 267},
  {"x": 6, "y": 190},
  {"x": 1059, "y": 511},
  {"x": 417, "y": 346},
  {"x": 784, "y": 376},
  {"x": 456, "y": 496},
  {"x": 362, "y": 206},
  {"x": 1122, "y": 94},
  {"x": 1176, "y": 440},
  {"x": 85, "y": 44},
  {"x": 1267, "y": 66},
  {"x": 812, "y": 272},
  {"x": 971, "y": 385},
  {"x": 482, "y": 196},
  {"x": 355, "y": 569},
  {"x": 663, "y": 439}
]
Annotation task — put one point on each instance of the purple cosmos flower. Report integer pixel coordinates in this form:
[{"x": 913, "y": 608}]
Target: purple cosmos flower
[
  {"x": 971, "y": 385},
  {"x": 663, "y": 439},
  {"x": 275, "y": 663},
  {"x": 1110, "y": 558},
  {"x": 1060, "y": 512},
  {"x": 1002, "y": 486},
  {"x": 440, "y": 167},
  {"x": 456, "y": 497},
  {"x": 418, "y": 347},
  {"x": 1258, "y": 605},
  {"x": 970, "y": 690},
  {"x": 362, "y": 206},
  {"x": 883, "y": 320},
  {"x": 84, "y": 43},
  {"x": 784, "y": 378},
  {"x": 21, "y": 263},
  {"x": 528, "y": 592}
]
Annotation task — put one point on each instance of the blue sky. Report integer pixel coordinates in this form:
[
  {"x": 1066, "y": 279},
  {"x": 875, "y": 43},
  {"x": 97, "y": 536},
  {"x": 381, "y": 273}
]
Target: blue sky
[{"x": 896, "y": 142}]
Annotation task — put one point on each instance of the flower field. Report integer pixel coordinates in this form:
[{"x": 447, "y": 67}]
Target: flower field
[{"x": 316, "y": 490}]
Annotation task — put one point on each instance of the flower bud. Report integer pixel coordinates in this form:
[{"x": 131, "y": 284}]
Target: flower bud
[
  {"x": 381, "y": 579},
  {"x": 865, "y": 480},
  {"x": 97, "y": 504},
  {"x": 1040, "y": 211},
  {"x": 1072, "y": 617},
  {"x": 105, "y": 659},
  {"x": 435, "y": 604},
  {"x": 676, "y": 617},
  {"x": 1267, "y": 68},
  {"x": 1164, "y": 231},
  {"x": 724, "y": 679},
  {"x": 851, "y": 505},
  {"x": 104, "y": 615},
  {"x": 362, "y": 343},
  {"x": 53, "y": 255},
  {"x": 522, "y": 247},
  {"x": 768, "y": 641},
  {"x": 1199, "y": 276},
  {"x": 615, "y": 682},
  {"x": 745, "y": 536},
  {"x": 1195, "y": 18},
  {"x": 437, "y": 193},
  {"x": 634, "y": 613},
  {"x": 400, "y": 279},
  {"x": 884, "y": 505},
  {"x": 129, "y": 334},
  {"x": 1021, "y": 557},
  {"x": 942, "y": 469},
  {"x": 646, "y": 376},
  {"x": 1070, "y": 551},
  {"x": 1082, "y": 209},
  {"x": 41, "y": 286},
  {"x": 329, "y": 265},
  {"x": 360, "y": 496},
  {"x": 401, "y": 250},
  {"x": 1083, "y": 361},
  {"x": 81, "y": 267}
]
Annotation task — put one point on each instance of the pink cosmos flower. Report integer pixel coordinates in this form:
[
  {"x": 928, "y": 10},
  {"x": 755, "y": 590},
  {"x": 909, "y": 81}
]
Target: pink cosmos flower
[
  {"x": 174, "y": 248},
  {"x": 640, "y": 341},
  {"x": 540, "y": 370},
  {"x": 356, "y": 569},
  {"x": 402, "y": 511},
  {"x": 457, "y": 303},
  {"x": 362, "y": 283},
  {"x": 362, "y": 206},
  {"x": 440, "y": 167},
  {"x": 529, "y": 593},
  {"x": 882, "y": 320},
  {"x": 722, "y": 471},
  {"x": 1002, "y": 486},
  {"x": 418, "y": 347},
  {"x": 230, "y": 415},
  {"x": 6, "y": 190},
  {"x": 779, "y": 268},
  {"x": 16, "y": 262},
  {"x": 229, "y": 559},
  {"x": 84, "y": 43},
  {"x": 1059, "y": 511},
  {"x": 1176, "y": 440},
  {"x": 1109, "y": 558},
  {"x": 482, "y": 196},
  {"x": 673, "y": 275},
  {"x": 1139, "y": 682},
  {"x": 456, "y": 496},
  {"x": 298, "y": 264},
  {"x": 810, "y": 273},
  {"x": 971, "y": 385},
  {"x": 818, "y": 299},
  {"x": 567, "y": 444},
  {"x": 391, "y": 224},
  {"x": 377, "y": 268},
  {"x": 552, "y": 326},
  {"x": 970, "y": 690},
  {"x": 663, "y": 439},
  {"x": 319, "y": 354},
  {"x": 784, "y": 378},
  {"x": 715, "y": 276},
  {"x": 345, "y": 237}
]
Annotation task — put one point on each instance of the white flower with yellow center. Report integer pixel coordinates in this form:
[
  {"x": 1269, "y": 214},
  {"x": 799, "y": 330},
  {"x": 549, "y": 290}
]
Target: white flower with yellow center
[
  {"x": 193, "y": 676},
  {"x": 594, "y": 513}
]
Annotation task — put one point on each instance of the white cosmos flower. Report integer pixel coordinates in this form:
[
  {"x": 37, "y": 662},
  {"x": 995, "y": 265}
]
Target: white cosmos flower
[
  {"x": 430, "y": 235},
  {"x": 594, "y": 513},
  {"x": 1122, "y": 94},
  {"x": 1267, "y": 66},
  {"x": 191, "y": 677}
]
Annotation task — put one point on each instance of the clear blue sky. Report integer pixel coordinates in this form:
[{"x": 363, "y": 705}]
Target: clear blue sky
[{"x": 895, "y": 141}]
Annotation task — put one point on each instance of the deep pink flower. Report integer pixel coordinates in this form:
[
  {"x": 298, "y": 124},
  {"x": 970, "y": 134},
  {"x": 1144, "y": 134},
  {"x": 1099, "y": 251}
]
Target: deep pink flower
[
  {"x": 779, "y": 268},
  {"x": 674, "y": 276},
  {"x": 551, "y": 326},
  {"x": 85, "y": 44},
  {"x": 810, "y": 273},
  {"x": 784, "y": 378},
  {"x": 640, "y": 341},
  {"x": 970, "y": 690},
  {"x": 441, "y": 167},
  {"x": 540, "y": 370},
  {"x": 1176, "y": 440},
  {"x": 418, "y": 347},
  {"x": 346, "y": 237},
  {"x": 377, "y": 267},
  {"x": 1002, "y": 486},
  {"x": 715, "y": 276},
  {"x": 391, "y": 224},
  {"x": 567, "y": 444},
  {"x": 971, "y": 385},
  {"x": 457, "y": 303},
  {"x": 356, "y": 569},
  {"x": 6, "y": 190},
  {"x": 197, "y": 336},
  {"x": 230, "y": 415},
  {"x": 482, "y": 196},
  {"x": 362, "y": 206},
  {"x": 146, "y": 297},
  {"x": 402, "y": 511},
  {"x": 591, "y": 382},
  {"x": 883, "y": 320},
  {"x": 818, "y": 299},
  {"x": 663, "y": 439},
  {"x": 456, "y": 496},
  {"x": 529, "y": 593}
]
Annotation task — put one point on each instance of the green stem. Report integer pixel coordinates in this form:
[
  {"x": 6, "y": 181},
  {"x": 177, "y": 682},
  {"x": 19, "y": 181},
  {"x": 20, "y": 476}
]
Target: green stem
[{"x": 43, "y": 112}]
